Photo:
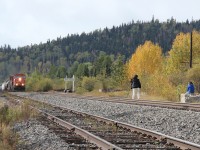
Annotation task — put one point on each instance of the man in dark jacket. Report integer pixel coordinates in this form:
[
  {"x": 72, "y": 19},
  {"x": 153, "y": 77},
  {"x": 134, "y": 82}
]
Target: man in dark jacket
[{"x": 135, "y": 86}]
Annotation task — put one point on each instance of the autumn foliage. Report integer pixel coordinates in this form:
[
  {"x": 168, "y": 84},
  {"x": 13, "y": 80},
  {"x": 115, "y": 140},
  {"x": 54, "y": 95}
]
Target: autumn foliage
[
  {"x": 179, "y": 55},
  {"x": 146, "y": 60},
  {"x": 167, "y": 75}
]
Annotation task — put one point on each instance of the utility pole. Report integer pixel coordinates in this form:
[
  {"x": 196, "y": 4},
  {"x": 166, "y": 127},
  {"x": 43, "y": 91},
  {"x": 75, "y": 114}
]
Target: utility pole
[{"x": 191, "y": 50}]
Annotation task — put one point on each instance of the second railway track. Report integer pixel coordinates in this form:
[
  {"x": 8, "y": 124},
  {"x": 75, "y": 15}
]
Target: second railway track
[{"x": 156, "y": 103}]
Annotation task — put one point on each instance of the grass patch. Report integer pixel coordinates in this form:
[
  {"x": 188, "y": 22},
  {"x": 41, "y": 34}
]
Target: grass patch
[
  {"x": 125, "y": 94},
  {"x": 9, "y": 116}
]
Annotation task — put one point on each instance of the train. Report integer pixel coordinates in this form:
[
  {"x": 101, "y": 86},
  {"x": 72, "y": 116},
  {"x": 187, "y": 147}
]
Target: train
[{"x": 16, "y": 82}]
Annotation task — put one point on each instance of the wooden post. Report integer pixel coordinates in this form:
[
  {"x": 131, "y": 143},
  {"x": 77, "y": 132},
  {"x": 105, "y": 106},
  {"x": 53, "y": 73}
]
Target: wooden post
[
  {"x": 69, "y": 79},
  {"x": 65, "y": 83},
  {"x": 73, "y": 79},
  {"x": 191, "y": 50}
]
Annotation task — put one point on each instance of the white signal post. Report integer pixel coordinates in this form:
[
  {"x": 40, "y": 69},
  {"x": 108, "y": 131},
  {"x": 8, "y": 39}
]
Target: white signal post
[{"x": 69, "y": 79}]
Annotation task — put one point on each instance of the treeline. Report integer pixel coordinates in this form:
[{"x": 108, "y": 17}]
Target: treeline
[{"x": 90, "y": 54}]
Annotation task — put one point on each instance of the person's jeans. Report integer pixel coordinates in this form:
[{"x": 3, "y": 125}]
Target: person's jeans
[
  {"x": 136, "y": 92},
  {"x": 189, "y": 94}
]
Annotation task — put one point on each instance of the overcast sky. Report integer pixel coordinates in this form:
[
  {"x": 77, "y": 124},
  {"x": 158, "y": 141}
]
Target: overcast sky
[{"x": 23, "y": 22}]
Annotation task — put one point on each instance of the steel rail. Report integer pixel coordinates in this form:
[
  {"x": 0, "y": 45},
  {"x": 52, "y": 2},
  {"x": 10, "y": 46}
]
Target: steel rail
[
  {"x": 156, "y": 103},
  {"x": 165, "y": 105},
  {"x": 178, "y": 142},
  {"x": 169, "y": 139},
  {"x": 101, "y": 143}
]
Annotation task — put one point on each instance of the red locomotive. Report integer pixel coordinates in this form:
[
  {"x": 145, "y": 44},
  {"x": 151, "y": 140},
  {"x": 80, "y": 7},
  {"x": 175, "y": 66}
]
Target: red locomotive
[{"x": 15, "y": 83}]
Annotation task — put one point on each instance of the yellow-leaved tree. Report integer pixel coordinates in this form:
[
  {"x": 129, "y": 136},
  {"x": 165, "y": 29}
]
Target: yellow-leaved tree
[
  {"x": 179, "y": 56},
  {"x": 178, "y": 62},
  {"x": 145, "y": 61}
]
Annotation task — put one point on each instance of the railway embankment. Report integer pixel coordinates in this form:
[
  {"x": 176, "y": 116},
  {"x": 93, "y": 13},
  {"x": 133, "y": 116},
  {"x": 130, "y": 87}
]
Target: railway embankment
[{"x": 181, "y": 124}]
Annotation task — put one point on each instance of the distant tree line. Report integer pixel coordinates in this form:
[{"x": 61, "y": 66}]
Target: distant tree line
[{"x": 101, "y": 52}]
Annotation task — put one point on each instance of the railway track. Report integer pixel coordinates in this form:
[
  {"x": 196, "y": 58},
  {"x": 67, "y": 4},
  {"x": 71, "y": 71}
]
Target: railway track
[
  {"x": 156, "y": 103},
  {"x": 73, "y": 140},
  {"x": 115, "y": 135}
]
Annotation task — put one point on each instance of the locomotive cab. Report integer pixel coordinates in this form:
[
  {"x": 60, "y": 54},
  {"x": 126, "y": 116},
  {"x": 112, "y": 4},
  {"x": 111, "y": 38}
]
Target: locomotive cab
[{"x": 18, "y": 82}]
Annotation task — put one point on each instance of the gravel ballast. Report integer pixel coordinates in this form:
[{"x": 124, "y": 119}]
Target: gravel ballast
[
  {"x": 35, "y": 136},
  {"x": 181, "y": 124}
]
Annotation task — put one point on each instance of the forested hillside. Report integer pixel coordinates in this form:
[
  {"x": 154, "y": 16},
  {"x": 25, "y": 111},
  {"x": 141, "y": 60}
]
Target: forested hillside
[{"x": 89, "y": 54}]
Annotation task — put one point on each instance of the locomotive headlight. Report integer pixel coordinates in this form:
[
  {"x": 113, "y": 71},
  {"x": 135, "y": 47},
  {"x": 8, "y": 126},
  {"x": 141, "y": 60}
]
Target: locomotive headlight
[
  {"x": 22, "y": 84},
  {"x": 16, "y": 84},
  {"x": 20, "y": 79}
]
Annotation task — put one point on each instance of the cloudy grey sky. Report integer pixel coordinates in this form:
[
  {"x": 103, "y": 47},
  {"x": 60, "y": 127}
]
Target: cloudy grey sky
[{"x": 23, "y": 22}]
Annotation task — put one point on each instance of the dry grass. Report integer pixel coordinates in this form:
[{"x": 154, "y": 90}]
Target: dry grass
[
  {"x": 8, "y": 116},
  {"x": 9, "y": 139},
  {"x": 1, "y": 104},
  {"x": 152, "y": 97},
  {"x": 126, "y": 94}
]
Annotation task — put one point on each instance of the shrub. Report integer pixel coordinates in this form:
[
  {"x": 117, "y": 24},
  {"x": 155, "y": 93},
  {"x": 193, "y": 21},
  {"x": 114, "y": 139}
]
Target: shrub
[
  {"x": 58, "y": 84},
  {"x": 31, "y": 84},
  {"x": 80, "y": 90},
  {"x": 160, "y": 85},
  {"x": 88, "y": 83},
  {"x": 34, "y": 84},
  {"x": 45, "y": 85}
]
